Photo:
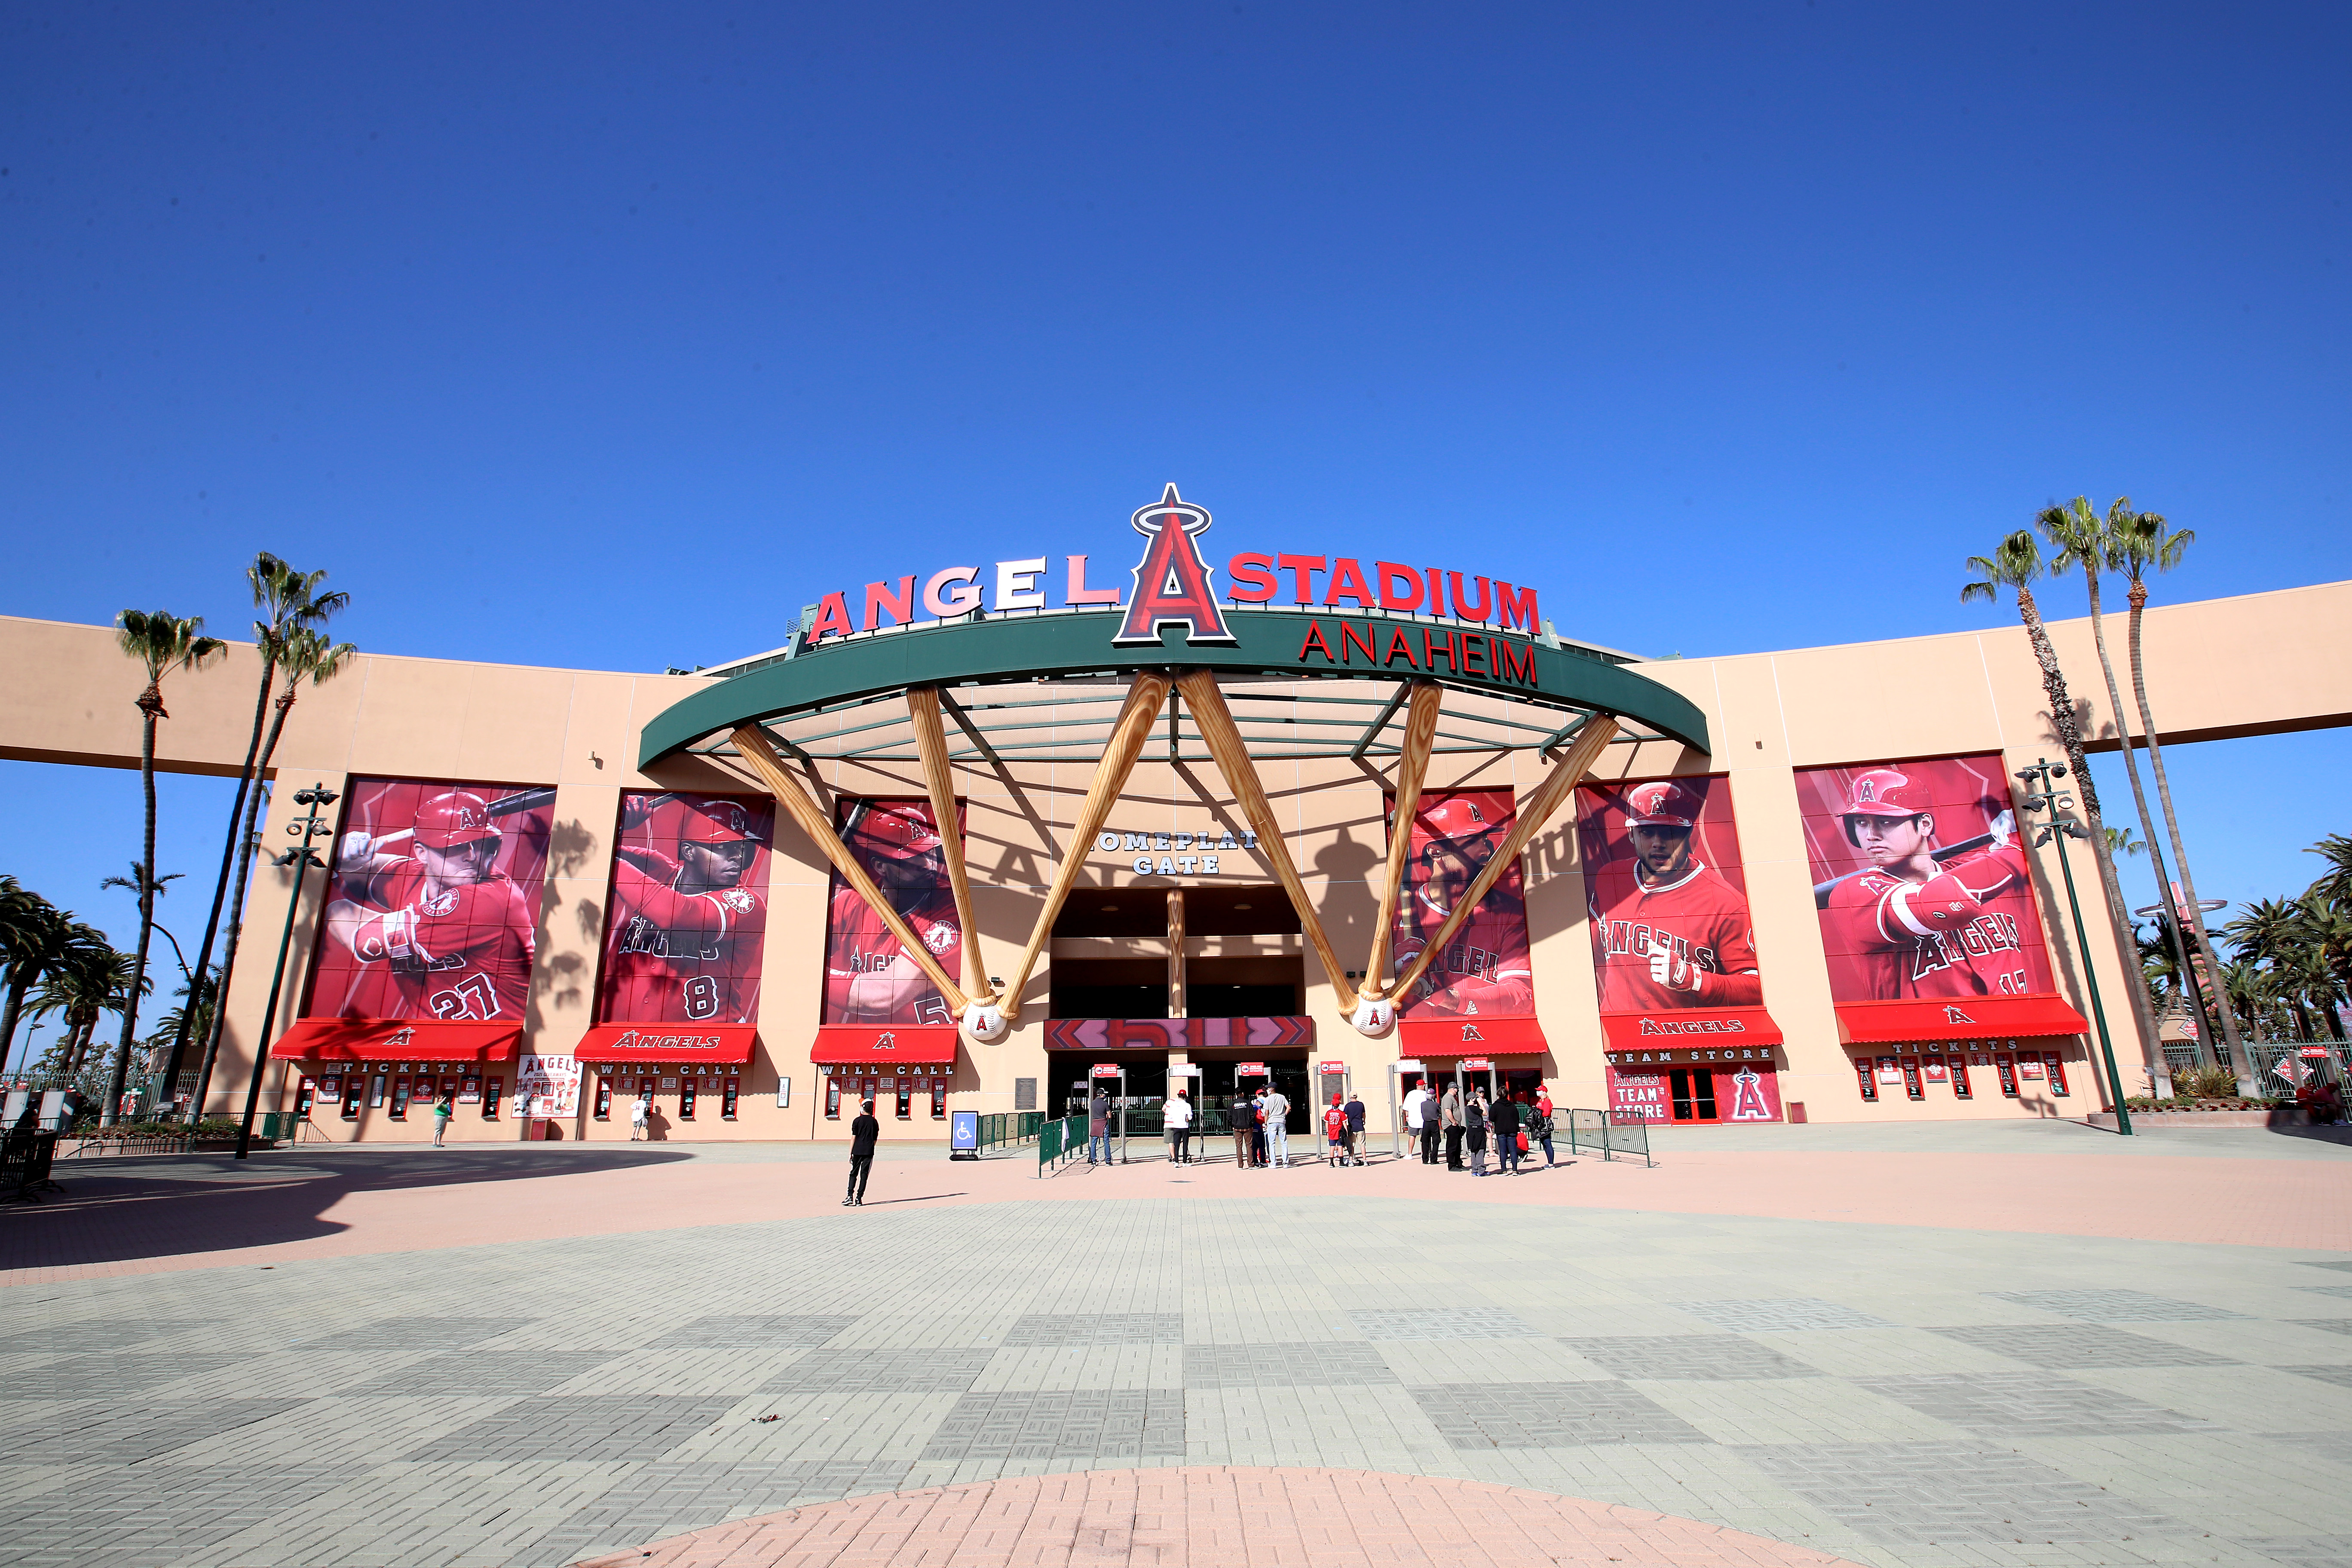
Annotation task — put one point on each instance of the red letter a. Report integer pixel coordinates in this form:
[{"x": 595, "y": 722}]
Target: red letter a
[{"x": 1171, "y": 582}]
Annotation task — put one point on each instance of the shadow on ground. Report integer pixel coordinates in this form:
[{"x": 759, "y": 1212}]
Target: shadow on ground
[{"x": 127, "y": 1210}]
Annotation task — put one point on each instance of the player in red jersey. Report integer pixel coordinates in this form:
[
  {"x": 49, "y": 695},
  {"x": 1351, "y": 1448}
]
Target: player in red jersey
[
  {"x": 1667, "y": 930},
  {"x": 1921, "y": 924},
  {"x": 688, "y": 949},
  {"x": 453, "y": 932},
  {"x": 1485, "y": 968},
  {"x": 868, "y": 978}
]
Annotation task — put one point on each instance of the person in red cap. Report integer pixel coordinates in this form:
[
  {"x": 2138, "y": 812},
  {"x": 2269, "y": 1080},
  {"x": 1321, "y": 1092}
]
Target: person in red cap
[
  {"x": 869, "y": 979},
  {"x": 453, "y": 932},
  {"x": 1667, "y": 930},
  {"x": 1485, "y": 968},
  {"x": 1924, "y": 922},
  {"x": 689, "y": 931},
  {"x": 1335, "y": 1130}
]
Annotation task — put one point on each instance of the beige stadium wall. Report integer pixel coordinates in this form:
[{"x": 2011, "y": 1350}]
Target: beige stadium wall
[{"x": 2257, "y": 664}]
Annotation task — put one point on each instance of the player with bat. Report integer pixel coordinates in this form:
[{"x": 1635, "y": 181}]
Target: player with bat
[
  {"x": 1920, "y": 921},
  {"x": 689, "y": 933},
  {"x": 453, "y": 932},
  {"x": 1667, "y": 930},
  {"x": 868, "y": 978}
]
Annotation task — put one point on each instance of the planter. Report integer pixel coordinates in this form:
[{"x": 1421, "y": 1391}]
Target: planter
[{"x": 2197, "y": 1120}]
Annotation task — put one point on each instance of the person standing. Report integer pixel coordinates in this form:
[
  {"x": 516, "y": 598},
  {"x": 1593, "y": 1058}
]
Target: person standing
[
  {"x": 1277, "y": 1106},
  {"x": 1415, "y": 1097},
  {"x": 1334, "y": 1132},
  {"x": 1449, "y": 1111},
  {"x": 1239, "y": 1116},
  {"x": 639, "y": 1110},
  {"x": 1257, "y": 1129},
  {"x": 1474, "y": 1130},
  {"x": 1432, "y": 1128},
  {"x": 1099, "y": 1126},
  {"x": 1539, "y": 1126},
  {"x": 1505, "y": 1119},
  {"x": 443, "y": 1108},
  {"x": 1176, "y": 1116},
  {"x": 1356, "y": 1128},
  {"x": 862, "y": 1136}
]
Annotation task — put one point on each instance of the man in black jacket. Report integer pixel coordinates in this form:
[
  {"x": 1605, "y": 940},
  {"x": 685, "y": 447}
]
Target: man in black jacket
[
  {"x": 1505, "y": 1119},
  {"x": 862, "y": 1134}
]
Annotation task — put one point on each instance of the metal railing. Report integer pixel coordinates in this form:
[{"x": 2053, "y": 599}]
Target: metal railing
[
  {"x": 1060, "y": 1140},
  {"x": 2292, "y": 1069},
  {"x": 1607, "y": 1134},
  {"x": 1004, "y": 1129}
]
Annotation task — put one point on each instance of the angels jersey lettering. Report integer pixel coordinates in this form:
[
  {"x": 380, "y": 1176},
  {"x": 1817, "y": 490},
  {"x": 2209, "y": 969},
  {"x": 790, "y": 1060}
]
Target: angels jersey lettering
[
  {"x": 1937, "y": 938},
  {"x": 461, "y": 953},
  {"x": 683, "y": 958},
  {"x": 869, "y": 979},
  {"x": 1483, "y": 969},
  {"x": 1698, "y": 918}
]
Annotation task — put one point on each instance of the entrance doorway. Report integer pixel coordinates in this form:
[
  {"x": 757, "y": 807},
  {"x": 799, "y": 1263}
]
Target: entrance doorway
[
  {"x": 1691, "y": 1092},
  {"x": 1287, "y": 1075}
]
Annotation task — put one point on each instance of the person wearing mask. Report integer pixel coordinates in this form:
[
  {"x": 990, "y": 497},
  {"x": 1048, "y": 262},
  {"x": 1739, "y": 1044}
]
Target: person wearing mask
[
  {"x": 1449, "y": 1111},
  {"x": 1473, "y": 1129},
  {"x": 1176, "y": 1116},
  {"x": 1099, "y": 1126},
  {"x": 1277, "y": 1106},
  {"x": 1539, "y": 1126},
  {"x": 1356, "y": 1128},
  {"x": 1504, "y": 1118},
  {"x": 863, "y": 1131}
]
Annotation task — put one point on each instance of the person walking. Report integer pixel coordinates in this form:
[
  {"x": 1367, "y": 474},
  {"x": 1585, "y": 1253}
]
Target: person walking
[
  {"x": 1506, "y": 1121},
  {"x": 1356, "y": 1128},
  {"x": 1415, "y": 1097},
  {"x": 639, "y": 1110},
  {"x": 1449, "y": 1111},
  {"x": 1539, "y": 1126},
  {"x": 1242, "y": 1116},
  {"x": 862, "y": 1134},
  {"x": 1334, "y": 1132},
  {"x": 1278, "y": 1126},
  {"x": 1176, "y": 1116},
  {"x": 1474, "y": 1130},
  {"x": 1099, "y": 1126},
  {"x": 1257, "y": 1129},
  {"x": 443, "y": 1108}
]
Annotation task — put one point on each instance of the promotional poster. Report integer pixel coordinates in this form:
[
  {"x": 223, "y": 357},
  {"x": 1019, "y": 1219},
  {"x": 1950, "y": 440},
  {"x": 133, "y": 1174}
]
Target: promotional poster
[
  {"x": 1668, "y": 901},
  {"x": 1485, "y": 970},
  {"x": 433, "y": 902},
  {"x": 687, "y": 925},
  {"x": 868, "y": 978},
  {"x": 1920, "y": 881},
  {"x": 547, "y": 1086}
]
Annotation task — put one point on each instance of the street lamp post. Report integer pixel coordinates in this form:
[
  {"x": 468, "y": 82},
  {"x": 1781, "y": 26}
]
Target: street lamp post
[
  {"x": 301, "y": 860},
  {"x": 2042, "y": 795}
]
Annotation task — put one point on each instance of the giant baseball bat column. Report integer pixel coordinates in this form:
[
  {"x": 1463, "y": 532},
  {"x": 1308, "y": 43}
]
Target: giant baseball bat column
[
  {"x": 1412, "y": 766},
  {"x": 931, "y": 741},
  {"x": 753, "y": 742},
  {"x": 1216, "y": 725},
  {"x": 1127, "y": 735},
  {"x": 1597, "y": 732}
]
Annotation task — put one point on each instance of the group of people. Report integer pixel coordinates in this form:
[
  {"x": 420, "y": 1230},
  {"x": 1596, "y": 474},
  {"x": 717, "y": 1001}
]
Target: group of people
[
  {"x": 1260, "y": 1124},
  {"x": 1467, "y": 1121}
]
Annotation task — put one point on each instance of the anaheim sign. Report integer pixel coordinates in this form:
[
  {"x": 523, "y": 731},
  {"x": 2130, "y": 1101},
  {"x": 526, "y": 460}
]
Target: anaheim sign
[{"x": 1174, "y": 584}]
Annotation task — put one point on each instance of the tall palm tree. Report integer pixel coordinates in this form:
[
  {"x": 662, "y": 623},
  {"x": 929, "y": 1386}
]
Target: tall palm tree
[
  {"x": 162, "y": 642},
  {"x": 92, "y": 979},
  {"x": 287, "y": 598},
  {"x": 2146, "y": 541},
  {"x": 2096, "y": 544},
  {"x": 39, "y": 936},
  {"x": 2334, "y": 884},
  {"x": 302, "y": 654}
]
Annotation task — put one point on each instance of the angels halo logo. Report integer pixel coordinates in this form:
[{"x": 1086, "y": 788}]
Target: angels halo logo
[{"x": 1172, "y": 581}]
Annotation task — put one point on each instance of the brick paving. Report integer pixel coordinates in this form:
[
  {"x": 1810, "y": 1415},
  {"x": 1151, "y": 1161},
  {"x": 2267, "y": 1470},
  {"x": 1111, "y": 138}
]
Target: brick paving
[{"x": 1263, "y": 1370}]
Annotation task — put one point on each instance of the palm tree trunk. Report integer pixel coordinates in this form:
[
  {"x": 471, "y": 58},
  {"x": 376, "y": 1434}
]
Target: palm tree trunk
[
  {"x": 246, "y": 780},
  {"x": 2195, "y": 920},
  {"x": 111, "y": 1112},
  {"x": 13, "y": 1011},
  {"x": 2127, "y": 936},
  {"x": 237, "y": 908}
]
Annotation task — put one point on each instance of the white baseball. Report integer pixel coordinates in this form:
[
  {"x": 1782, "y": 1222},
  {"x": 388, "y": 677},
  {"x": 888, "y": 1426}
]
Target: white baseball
[
  {"x": 1373, "y": 1016},
  {"x": 985, "y": 1022}
]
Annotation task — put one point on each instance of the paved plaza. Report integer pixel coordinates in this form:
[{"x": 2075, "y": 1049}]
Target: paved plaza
[{"x": 537, "y": 1355}]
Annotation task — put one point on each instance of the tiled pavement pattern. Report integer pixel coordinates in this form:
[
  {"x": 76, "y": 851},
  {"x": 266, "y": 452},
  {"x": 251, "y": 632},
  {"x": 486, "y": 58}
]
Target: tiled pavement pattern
[{"x": 1938, "y": 1397}]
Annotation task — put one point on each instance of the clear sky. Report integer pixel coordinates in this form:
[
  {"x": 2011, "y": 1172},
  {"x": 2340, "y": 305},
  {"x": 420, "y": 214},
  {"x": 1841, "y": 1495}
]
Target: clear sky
[{"x": 608, "y": 336}]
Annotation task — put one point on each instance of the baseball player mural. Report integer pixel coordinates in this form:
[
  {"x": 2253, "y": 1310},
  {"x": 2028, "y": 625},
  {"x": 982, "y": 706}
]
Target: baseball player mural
[
  {"x": 1668, "y": 901},
  {"x": 1921, "y": 887},
  {"x": 868, "y": 978},
  {"x": 1485, "y": 970},
  {"x": 689, "y": 913},
  {"x": 433, "y": 902}
]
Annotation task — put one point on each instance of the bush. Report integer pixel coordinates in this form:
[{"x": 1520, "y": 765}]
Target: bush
[{"x": 2204, "y": 1081}]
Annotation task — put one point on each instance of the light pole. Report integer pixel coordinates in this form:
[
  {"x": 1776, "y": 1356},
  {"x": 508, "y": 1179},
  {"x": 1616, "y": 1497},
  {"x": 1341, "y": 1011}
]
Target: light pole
[
  {"x": 2045, "y": 798},
  {"x": 301, "y": 860}
]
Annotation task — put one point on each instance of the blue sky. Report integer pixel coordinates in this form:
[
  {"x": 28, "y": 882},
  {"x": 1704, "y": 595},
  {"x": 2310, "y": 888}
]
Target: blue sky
[{"x": 608, "y": 336}]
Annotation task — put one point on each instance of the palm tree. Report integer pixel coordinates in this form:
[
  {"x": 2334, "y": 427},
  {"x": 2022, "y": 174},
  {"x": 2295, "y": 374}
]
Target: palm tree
[
  {"x": 2334, "y": 884},
  {"x": 303, "y": 653},
  {"x": 162, "y": 642},
  {"x": 2096, "y": 544},
  {"x": 2146, "y": 541},
  {"x": 38, "y": 937},
  {"x": 92, "y": 978},
  {"x": 287, "y": 598}
]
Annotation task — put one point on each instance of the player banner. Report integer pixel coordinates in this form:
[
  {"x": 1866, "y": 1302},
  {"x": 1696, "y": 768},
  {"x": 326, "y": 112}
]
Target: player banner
[
  {"x": 1485, "y": 971},
  {"x": 868, "y": 978},
  {"x": 1668, "y": 899},
  {"x": 1921, "y": 886},
  {"x": 433, "y": 902},
  {"x": 687, "y": 921}
]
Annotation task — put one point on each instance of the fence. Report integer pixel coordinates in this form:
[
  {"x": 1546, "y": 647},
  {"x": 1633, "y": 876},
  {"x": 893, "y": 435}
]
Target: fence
[
  {"x": 1603, "y": 1133},
  {"x": 1060, "y": 1140},
  {"x": 1006, "y": 1128},
  {"x": 24, "y": 1162},
  {"x": 2283, "y": 1069}
]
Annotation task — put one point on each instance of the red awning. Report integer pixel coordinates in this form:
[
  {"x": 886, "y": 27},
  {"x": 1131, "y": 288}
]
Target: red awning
[
  {"x": 398, "y": 1041},
  {"x": 1957, "y": 1018},
  {"x": 1479, "y": 1037},
  {"x": 1692, "y": 1027},
  {"x": 720, "y": 1045},
  {"x": 839, "y": 1045}
]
